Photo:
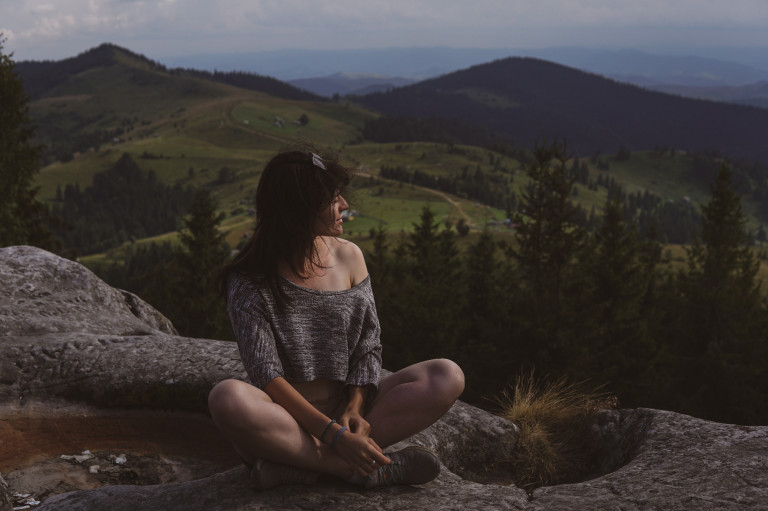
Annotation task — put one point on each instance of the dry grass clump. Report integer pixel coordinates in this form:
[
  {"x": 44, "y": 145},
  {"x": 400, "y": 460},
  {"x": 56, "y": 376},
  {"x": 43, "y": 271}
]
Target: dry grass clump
[{"x": 555, "y": 419}]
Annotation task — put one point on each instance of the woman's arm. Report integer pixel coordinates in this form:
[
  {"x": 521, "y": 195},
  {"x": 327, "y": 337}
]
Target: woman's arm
[
  {"x": 309, "y": 417},
  {"x": 353, "y": 414},
  {"x": 356, "y": 449}
]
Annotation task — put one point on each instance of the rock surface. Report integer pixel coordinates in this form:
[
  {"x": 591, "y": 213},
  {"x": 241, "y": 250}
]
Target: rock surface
[
  {"x": 43, "y": 293},
  {"x": 67, "y": 337}
]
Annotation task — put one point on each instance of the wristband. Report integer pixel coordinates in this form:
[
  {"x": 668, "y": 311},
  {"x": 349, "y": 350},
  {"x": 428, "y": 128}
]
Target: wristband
[
  {"x": 322, "y": 435},
  {"x": 338, "y": 435}
]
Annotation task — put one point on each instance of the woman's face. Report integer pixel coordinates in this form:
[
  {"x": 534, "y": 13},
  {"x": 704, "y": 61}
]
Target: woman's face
[{"x": 329, "y": 221}]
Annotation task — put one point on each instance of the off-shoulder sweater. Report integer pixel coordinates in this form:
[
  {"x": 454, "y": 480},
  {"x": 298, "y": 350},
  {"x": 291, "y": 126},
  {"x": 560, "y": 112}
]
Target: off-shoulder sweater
[{"x": 318, "y": 335}]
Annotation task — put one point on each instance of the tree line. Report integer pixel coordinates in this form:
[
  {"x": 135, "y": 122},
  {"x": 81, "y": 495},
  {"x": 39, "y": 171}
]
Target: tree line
[
  {"x": 598, "y": 306},
  {"x": 178, "y": 280},
  {"x": 123, "y": 203},
  {"x": 491, "y": 188}
]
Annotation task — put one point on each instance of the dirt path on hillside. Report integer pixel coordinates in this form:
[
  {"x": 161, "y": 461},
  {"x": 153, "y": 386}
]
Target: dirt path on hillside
[{"x": 456, "y": 204}]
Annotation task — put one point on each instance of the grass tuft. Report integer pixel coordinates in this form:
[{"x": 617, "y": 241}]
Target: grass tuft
[{"x": 555, "y": 418}]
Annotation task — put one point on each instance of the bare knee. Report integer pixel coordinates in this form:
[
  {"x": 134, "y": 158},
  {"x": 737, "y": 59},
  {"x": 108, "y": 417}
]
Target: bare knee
[
  {"x": 226, "y": 398},
  {"x": 447, "y": 377}
]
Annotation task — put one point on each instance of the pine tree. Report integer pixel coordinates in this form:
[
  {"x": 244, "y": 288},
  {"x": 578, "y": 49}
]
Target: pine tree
[
  {"x": 186, "y": 292},
  {"x": 422, "y": 295},
  {"x": 484, "y": 352},
  {"x": 548, "y": 241},
  {"x": 723, "y": 270},
  {"x": 617, "y": 317},
  {"x": 723, "y": 319},
  {"x": 23, "y": 218}
]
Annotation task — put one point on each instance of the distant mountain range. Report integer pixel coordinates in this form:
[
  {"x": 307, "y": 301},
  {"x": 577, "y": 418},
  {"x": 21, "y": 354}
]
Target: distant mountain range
[
  {"x": 517, "y": 101},
  {"x": 644, "y": 68},
  {"x": 714, "y": 66},
  {"x": 329, "y": 72},
  {"x": 755, "y": 94},
  {"x": 343, "y": 84},
  {"x": 525, "y": 100},
  {"x": 412, "y": 63}
]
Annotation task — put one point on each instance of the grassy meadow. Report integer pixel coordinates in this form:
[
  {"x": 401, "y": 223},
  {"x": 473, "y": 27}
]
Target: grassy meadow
[{"x": 187, "y": 130}]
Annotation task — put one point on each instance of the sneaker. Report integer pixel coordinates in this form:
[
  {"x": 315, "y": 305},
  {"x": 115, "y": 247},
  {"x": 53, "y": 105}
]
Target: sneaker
[
  {"x": 266, "y": 474},
  {"x": 412, "y": 465}
]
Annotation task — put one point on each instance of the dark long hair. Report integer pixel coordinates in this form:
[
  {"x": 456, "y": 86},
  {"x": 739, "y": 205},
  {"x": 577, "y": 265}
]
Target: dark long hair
[{"x": 296, "y": 186}]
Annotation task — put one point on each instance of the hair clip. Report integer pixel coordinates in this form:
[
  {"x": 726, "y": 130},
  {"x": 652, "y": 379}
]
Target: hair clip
[{"x": 318, "y": 162}]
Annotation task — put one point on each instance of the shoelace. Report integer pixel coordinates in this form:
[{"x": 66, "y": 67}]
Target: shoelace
[{"x": 387, "y": 475}]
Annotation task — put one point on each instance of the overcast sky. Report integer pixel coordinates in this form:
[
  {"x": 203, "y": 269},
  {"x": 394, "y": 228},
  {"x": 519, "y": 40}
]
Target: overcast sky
[{"x": 54, "y": 29}]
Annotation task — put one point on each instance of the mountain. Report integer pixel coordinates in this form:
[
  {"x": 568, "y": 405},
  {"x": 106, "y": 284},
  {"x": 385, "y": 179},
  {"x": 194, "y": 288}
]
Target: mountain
[
  {"x": 42, "y": 77},
  {"x": 525, "y": 100},
  {"x": 182, "y": 128},
  {"x": 410, "y": 62},
  {"x": 755, "y": 94},
  {"x": 189, "y": 128},
  {"x": 106, "y": 92},
  {"x": 696, "y": 67},
  {"x": 345, "y": 83},
  {"x": 642, "y": 68}
]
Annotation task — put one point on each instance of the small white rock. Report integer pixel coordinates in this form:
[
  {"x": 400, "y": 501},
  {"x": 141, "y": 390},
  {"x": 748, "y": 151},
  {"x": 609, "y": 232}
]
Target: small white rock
[
  {"x": 94, "y": 469},
  {"x": 121, "y": 460}
]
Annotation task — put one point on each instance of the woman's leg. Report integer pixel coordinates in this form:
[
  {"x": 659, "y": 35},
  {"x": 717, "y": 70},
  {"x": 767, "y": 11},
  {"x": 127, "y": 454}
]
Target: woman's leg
[
  {"x": 413, "y": 398},
  {"x": 261, "y": 429}
]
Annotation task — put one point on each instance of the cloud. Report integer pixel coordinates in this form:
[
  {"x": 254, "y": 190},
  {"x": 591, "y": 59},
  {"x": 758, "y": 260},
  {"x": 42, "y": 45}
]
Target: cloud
[{"x": 232, "y": 25}]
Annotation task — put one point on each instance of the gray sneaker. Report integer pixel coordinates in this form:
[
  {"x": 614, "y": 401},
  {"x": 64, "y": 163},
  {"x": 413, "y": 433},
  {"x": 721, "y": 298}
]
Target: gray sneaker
[{"x": 412, "y": 465}]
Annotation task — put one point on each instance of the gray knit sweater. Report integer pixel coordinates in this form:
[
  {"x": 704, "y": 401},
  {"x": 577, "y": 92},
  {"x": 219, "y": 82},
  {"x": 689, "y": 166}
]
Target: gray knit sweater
[{"x": 330, "y": 335}]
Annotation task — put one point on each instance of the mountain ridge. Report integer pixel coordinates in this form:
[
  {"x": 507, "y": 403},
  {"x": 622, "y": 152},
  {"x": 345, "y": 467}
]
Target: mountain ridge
[
  {"x": 41, "y": 76},
  {"x": 524, "y": 100},
  {"x": 723, "y": 66}
]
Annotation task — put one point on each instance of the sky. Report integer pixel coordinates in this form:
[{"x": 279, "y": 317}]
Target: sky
[{"x": 56, "y": 29}]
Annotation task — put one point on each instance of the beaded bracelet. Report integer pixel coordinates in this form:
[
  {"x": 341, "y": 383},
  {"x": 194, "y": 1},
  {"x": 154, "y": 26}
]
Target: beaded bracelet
[
  {"x": 338, "y": 435},
  {"x": 322, "y": 435}
]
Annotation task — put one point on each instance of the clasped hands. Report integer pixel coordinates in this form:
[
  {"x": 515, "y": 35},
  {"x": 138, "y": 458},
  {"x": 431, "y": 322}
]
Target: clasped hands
[{"x": 356, "y": 447}]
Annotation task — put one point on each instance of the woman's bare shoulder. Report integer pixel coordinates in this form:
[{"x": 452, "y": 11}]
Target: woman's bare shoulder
[{"x": 352, "y": 257}]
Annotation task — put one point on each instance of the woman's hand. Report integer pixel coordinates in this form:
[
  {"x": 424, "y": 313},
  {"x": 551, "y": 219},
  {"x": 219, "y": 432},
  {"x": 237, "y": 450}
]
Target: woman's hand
[
  {"x": 360, "y": 452},
  {"x": 355, "y": 422},
  {"x": 353, "y": 413}
]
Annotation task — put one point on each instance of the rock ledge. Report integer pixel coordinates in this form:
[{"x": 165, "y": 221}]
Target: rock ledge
[{"x": 73, "y": 346}]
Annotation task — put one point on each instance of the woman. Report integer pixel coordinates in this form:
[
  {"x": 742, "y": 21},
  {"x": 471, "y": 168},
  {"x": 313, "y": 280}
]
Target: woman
[{"x": 302, "y": 310}]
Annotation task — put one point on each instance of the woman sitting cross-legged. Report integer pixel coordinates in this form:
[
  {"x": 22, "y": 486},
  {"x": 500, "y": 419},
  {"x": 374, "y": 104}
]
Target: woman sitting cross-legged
[{"x": 303, "y": 313}]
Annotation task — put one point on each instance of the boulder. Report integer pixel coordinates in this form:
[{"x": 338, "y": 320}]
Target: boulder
[
  {"x": 78, "y": 352},
  {"x": 43, "y": 293}
]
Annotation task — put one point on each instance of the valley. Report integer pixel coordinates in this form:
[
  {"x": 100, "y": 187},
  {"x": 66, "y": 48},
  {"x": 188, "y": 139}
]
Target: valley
[{"x": 196, "y": 132}]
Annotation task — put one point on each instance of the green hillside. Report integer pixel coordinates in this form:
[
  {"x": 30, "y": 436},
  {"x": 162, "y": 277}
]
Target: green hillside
[{"x": 193, "y": 131}]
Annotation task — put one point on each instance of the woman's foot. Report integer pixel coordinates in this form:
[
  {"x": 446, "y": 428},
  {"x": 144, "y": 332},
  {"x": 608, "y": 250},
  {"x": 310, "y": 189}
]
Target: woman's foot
[
  {"x": 266, "y": 474},
  {"x": 412, "y": 465}
]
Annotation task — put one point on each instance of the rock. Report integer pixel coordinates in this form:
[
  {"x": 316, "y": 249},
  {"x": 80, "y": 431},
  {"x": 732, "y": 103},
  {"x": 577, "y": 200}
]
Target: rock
[
  {"x": 5, "y": 495},
  {"x": 69, "y": 338},
  {"x": 41, "y": 293}
]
